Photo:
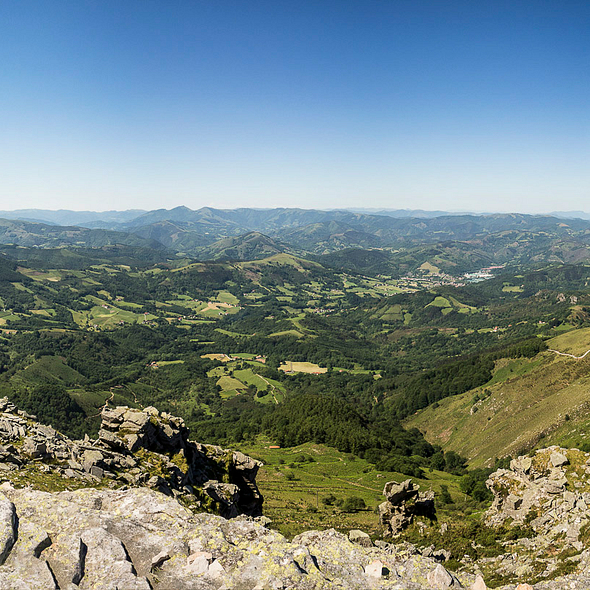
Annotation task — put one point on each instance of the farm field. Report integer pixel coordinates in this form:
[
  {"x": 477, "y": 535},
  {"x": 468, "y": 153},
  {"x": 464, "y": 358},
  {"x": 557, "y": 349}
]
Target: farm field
[{"x": 301, "y": 367}]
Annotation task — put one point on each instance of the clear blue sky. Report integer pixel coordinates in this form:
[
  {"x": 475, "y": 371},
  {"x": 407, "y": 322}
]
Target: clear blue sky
[{"x": 115, "y": 104}]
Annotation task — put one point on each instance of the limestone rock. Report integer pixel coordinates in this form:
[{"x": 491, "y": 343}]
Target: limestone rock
[
  {"x": 440, "y": 578},
  {"x": 404, "y": 502},
  {"x": 396, "y": 493},
  {"x": 558, "y": 459},
  {"x": 216, "y": 570},
  {"x": 479, "y": 584},
  {"x": 374, "y": 569},
  {"x": 183, "y": 467},
  {"x": 159, "y": 559},
  {"x": 8, "y": 530},
  {"x": 139, "y": 538},
  {"x": 360, "y": 538}
]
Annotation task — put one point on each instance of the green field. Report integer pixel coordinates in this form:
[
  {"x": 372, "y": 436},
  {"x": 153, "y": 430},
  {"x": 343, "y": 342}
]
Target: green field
[
  {"x": 295, "y": 505},
  {"x": 576, "y": 342}
]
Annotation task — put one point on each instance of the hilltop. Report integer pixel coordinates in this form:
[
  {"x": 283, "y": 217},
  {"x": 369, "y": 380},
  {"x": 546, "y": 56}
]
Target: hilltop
[{"x": 93, "y": 513}]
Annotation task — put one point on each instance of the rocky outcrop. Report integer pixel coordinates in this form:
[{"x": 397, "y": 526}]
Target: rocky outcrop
[
  {"x": 227, "y": 477},
  {"x": 547, "y": 497},
  {"x": 128, "y": 511},
  {"x": 404, "y": 502},
  {"x": 141, "y": 539},
  {"x": 548, "y": 491},
  {"x": 134, "y": 448}
]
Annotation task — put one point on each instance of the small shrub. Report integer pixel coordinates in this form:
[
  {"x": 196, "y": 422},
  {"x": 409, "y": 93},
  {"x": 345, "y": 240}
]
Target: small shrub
[
  {"x": 353, "y": 504},
  {"x": 329, "y": 500}
]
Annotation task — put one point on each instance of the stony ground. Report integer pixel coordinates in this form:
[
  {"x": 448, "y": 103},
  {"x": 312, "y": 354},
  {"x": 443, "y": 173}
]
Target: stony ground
[
  {"x": 140, "y": 539},
  {"x": 127, "y": 512}
]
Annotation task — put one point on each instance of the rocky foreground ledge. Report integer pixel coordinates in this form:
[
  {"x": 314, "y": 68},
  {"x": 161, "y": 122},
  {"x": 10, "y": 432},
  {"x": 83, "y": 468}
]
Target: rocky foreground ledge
[
  {"x": 139, "y": 539},
  {"x": 128, "y": 511}
]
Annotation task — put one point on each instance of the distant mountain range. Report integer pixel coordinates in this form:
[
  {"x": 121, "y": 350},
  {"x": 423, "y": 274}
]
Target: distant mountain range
[
  {"x": 67, "y": 217},
  {"x": 254, "y": 218},
  {"x": 450, "y": 242}
]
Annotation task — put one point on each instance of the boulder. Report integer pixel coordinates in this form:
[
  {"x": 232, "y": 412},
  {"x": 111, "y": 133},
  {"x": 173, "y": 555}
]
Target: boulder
[
  {"x": 558, "y": 459},
  {"x": 360, "y": 538},
  {"x": 404, "y": 502},
  {"x": 440, "y": 578},
  {"x": 90, "y": 458},
  {"x": 34, "y": 448},
  {"x": 396, "y": 493}
]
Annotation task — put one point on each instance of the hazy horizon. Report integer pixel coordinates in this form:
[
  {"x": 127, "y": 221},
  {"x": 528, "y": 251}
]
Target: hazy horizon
[
  {"x": 413, "y": 104},
  {"x": 368, "y": 210}
]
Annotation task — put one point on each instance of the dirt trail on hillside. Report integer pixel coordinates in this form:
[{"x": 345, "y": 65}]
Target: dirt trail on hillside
[{"x": 578, "y": 358}]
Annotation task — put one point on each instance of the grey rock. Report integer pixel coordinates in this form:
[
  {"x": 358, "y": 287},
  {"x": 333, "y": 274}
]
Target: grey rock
[
  {"x": 107, "y": 564},
  {"x": 197, "y": 564},
  {"x": 396, "y": 513},
  {"x": 90, "y": 458},
  {"x": 513, "y": 502},
  {"x": 396, "y": 493},
  {"x": 110, "y": 439},
  {"x": 34, "y": 448},
  {"x": 558, "y": 459},
  {"x": 360, "y": 538},
  {"x": 440, "y": 578},
  {"x": 159, "y": 559},
  {"x": 32, "y": 540},
  {"x": 8, "y": 528},
  {"x": 97, "y": 472}
]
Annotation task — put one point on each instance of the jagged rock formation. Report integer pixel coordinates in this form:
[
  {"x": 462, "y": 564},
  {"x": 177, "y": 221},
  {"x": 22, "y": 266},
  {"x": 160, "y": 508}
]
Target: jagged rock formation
[
  {"x": 403, "y": 503},
  {"x": 549, "y": 491},
  {"x": 134, "y": 448},
  {"x": 228, "y": 477}
]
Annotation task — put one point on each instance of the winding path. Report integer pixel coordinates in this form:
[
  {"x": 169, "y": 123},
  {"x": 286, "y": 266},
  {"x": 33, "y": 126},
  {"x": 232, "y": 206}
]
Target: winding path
[
  {"x": 273, "y": 388},
  {"x": 570, "y": 355},
  {"x": 134, "y": 396},
  {"x": 106, "y": 403}
]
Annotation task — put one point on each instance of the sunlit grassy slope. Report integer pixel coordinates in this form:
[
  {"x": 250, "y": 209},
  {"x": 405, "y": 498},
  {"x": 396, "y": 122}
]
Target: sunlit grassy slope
[{"x": 528, "y": 402}]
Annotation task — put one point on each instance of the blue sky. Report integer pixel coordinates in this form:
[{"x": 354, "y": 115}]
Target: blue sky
[{"x": 456, "y": 105}]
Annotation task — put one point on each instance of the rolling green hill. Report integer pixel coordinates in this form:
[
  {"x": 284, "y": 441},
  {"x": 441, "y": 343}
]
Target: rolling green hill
[
  {"x": 449, "y": 243},
  {"x": 23, "y": 233},
  {"x": 250, "y": 246}
]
